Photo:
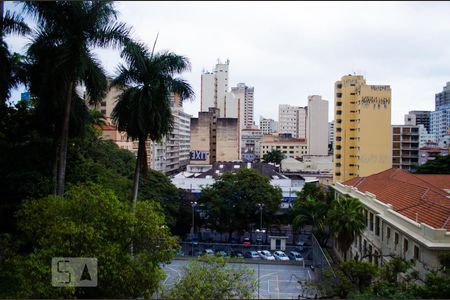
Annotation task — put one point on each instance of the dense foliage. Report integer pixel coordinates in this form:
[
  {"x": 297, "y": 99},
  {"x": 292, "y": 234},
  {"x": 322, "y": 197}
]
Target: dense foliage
[
  {"x": 232, "y": 202},
  {"x": 439, "y": 165},
  {"x": 274, "y": 156}
]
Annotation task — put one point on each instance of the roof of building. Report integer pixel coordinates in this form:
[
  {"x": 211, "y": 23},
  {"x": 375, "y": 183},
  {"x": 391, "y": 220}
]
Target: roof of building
[
  {"x": 421, "y": 198},
  {"x": 220, "y": 167},
  {"x": 106, "y": 127}
]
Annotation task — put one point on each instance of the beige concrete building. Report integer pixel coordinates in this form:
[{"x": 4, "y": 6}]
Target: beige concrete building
[
  {"x": 267, "y": 126},
  {"x": 292, "y": 119},
  {"x": 245, "y": 99},
  {"x": 214, "y": 138},
  {"x": 317, "y": 125},
  {"x": 291, "y": 147},
  {"x": 405, "y": 147},
  {"x": 362, "y": 133},
  {"x": 407, "y": 215}
]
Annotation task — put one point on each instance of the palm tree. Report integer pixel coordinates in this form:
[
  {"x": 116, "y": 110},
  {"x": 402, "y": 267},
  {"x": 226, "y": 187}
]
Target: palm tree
[
  {"x": 9, "y": 78},
  {"x": 311, "y": 211},
  {"x": 61, "y": 59},
  {"x": 347, "y": 220},
  {"x": 143, "y": 109}
]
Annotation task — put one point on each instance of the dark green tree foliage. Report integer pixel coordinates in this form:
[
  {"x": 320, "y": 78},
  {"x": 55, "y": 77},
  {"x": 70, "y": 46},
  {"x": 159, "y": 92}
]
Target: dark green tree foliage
[
  {"x": 347, "y": 220},
  {"x": 274, "y": 156},
  {"x": 143, "y": 109},
  {"x": 11, "y": 73},
  {"x": 61, "y": 58},
  {"x": 440, "y": 165},
  {"x": 89, "y": 222},
  {"x": 231, "y": 203},
  {"x": 311, "y": 207},
  {"x": 214, "y": 278}
]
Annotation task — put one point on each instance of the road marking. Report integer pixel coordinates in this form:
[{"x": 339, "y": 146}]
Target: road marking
[{"x": 309, "y": 274}]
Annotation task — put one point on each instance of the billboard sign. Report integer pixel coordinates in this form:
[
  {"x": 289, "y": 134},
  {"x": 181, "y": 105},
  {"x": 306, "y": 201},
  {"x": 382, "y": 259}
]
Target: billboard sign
[{"x": 199, "y": 155}]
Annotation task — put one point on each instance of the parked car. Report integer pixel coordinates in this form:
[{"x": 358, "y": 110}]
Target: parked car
[
  {"x": 265, "y": 254},
  {"x": 208, "y": 252},
  {"x": 294, "y": 255},
  {"x": 180, "y": 253},
  {"x": 280, "y": 255},
  {"x": 221, "y": 252},
  {"x": 197, "y": 252},
  {"x": 246, "y": 242},
  {"x": 252, "y": 255},
  {"x": 236, "y": 253}
]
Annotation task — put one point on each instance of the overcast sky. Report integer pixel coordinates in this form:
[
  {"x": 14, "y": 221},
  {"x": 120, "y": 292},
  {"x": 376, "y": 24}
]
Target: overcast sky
[{"x": 289, "y": 50}]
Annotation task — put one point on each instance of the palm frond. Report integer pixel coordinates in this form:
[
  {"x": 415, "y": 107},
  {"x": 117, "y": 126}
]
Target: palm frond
[{"x": 11, "y": 23}]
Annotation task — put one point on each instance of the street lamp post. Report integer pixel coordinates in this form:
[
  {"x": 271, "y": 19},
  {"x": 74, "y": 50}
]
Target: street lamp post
[{"x": 193, "y": 204}]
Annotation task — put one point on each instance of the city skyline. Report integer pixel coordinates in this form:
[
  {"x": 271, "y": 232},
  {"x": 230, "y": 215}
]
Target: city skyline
[{"x": 293, "y": 50}]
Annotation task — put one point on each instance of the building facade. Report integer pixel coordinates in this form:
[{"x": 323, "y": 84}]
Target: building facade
[
  {"x": 421, "y": 117},
  {"x": 406, "y": 216},
  {"x": 250, "y": 144},
  {"x": 405, "y": 146},
  {"x": 290, "y": 147},
  {"x": 429, "y": 153},
  {"x": 214, "y": 138},
  {"x": 292, "y": 119},
  {"x": 214, "y": 88},
  {"x": 330, "y": 136},
  {"x": 267, "y": 126},
  {"x": 362, "y": 134},
  {"x": 244, "y": 96},
  {"x": 317, "y": 125}
]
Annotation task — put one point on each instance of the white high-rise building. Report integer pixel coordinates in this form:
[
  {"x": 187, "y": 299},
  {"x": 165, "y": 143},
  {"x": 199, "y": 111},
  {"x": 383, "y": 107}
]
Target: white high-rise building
[
  {"x": 244, "y": 97},
  {"x": 292, "y": 119},
  {"x": 214, "y": 91},
  {"x": 267, "y": 126},
  {"x": 317, "y": 125}
]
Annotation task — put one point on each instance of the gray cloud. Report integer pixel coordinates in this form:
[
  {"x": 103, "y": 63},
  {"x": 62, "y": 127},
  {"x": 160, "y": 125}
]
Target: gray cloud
[{"x": 289, "y": 50}]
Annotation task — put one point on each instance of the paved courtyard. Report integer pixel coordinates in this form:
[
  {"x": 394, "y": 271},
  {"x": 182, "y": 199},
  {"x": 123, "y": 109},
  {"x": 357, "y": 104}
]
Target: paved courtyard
[{"x": 275, "y": 281}]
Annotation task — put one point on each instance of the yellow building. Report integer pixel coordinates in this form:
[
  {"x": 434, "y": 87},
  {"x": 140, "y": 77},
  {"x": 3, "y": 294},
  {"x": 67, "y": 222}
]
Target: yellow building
[{"x": 362, "y": 131}]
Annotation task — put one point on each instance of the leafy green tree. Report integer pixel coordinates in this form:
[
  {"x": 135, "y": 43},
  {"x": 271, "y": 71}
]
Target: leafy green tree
[
  {"x": 10, "y": 23},
  {"x": 89, "y": 222},
  {"x": 311, "y": 208},
  {"x": 214, "y": 278},
  {"x": 274, "y": 156},
  {"x": 61, "y": 58},
  {"x": 440, "y": 165},
  {"x": 347, "y": 220},
  {"x": 143, "y": 109},
  {"x": 231, "y": 203}
]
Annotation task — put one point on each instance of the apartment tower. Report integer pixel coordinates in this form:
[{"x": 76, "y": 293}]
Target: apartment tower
[
  {"x": 317, "y": 125},
  {"x": 362, "y": 144}
]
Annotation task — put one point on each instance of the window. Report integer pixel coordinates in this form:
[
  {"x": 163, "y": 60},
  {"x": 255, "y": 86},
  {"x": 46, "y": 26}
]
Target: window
[
  {"x": 339, "y": 85},
  {"x": 339, "y": 103},
  {"x": 370, "y": 253},
  {"x": 416, "y": 253},
  {"x": 338, "y": 165},
  {"x": 388, "y": 233},
  {"x": 338, "y": 173},
  {"x": 339, "y": 95},
  {"x": 338, "y": 138},
  {"x": 103, "y": 103},
  {"x": 371, "y": 221},
  {"x": 103, "y": 111},
  {"x": 364, "y": 247},
  {"x": 338, "y": 156},
  {"x": 338, "y": 147},
  {"x": 339, "y": 112},
  {"x": 396, "y": 239},
  {"x": 405, "y": 245},
  {"x": 377, "y": 226},
  {"x": 339, "y": 121}
]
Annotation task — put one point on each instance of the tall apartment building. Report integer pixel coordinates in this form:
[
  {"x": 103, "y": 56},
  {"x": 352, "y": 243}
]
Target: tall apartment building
[
  {"x": 292, "y": 119},
  {"x": 169, "y": 155},
  {"x": 317, "y": 125},
  {"x": 214, "y": 138},
  {"x": 440, "y": 118},
  {"x": 442, "y": 99},
  {"x": 267, "y": 126},
  {"x": 362, "y": 144},
  {"x": 405, "y": 146},
  {"x": 330, "y": 136},
  {"x": 422, "y": 117},
  {"x": 214, "y": 92},
  {"x": 243, "y": 95}
]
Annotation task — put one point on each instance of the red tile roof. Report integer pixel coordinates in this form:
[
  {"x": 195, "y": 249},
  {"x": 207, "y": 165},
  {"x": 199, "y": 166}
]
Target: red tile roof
[{"x": 421, "y": 198}]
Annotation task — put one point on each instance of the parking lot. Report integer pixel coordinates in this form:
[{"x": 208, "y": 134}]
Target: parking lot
[{"x": 276, "y": 281}]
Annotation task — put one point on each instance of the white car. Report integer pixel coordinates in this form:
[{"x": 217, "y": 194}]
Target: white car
[
  {"x": 293, "y": 255},
  {"x": 280, "y": 255},
  {"x": 208, "y": 252},
  {"x": 266, "y": 255}
]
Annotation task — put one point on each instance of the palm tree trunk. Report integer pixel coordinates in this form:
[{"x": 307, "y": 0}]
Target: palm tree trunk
[
  {"x": 1, "y": 8},
  {"x": 137, "y": 173},
  {"x": 56, "y": 144},
  {"x": 64, "y": 141}
]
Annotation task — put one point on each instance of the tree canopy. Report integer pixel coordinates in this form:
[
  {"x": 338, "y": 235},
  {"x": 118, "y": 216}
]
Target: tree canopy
[
  {"x": 231, "y": 203},
  {"x": 439, "y": 165},
  {"x": 274, "y": 156}
]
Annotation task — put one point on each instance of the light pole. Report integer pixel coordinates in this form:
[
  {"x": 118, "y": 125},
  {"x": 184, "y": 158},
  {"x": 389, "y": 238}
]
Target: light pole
[
  {"x": 193, "y": 204},
  {"x": 260, "y": 205}
]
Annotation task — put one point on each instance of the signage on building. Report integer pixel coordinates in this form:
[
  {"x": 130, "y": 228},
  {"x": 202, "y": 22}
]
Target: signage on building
[{"x": 199, "y": 155}]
